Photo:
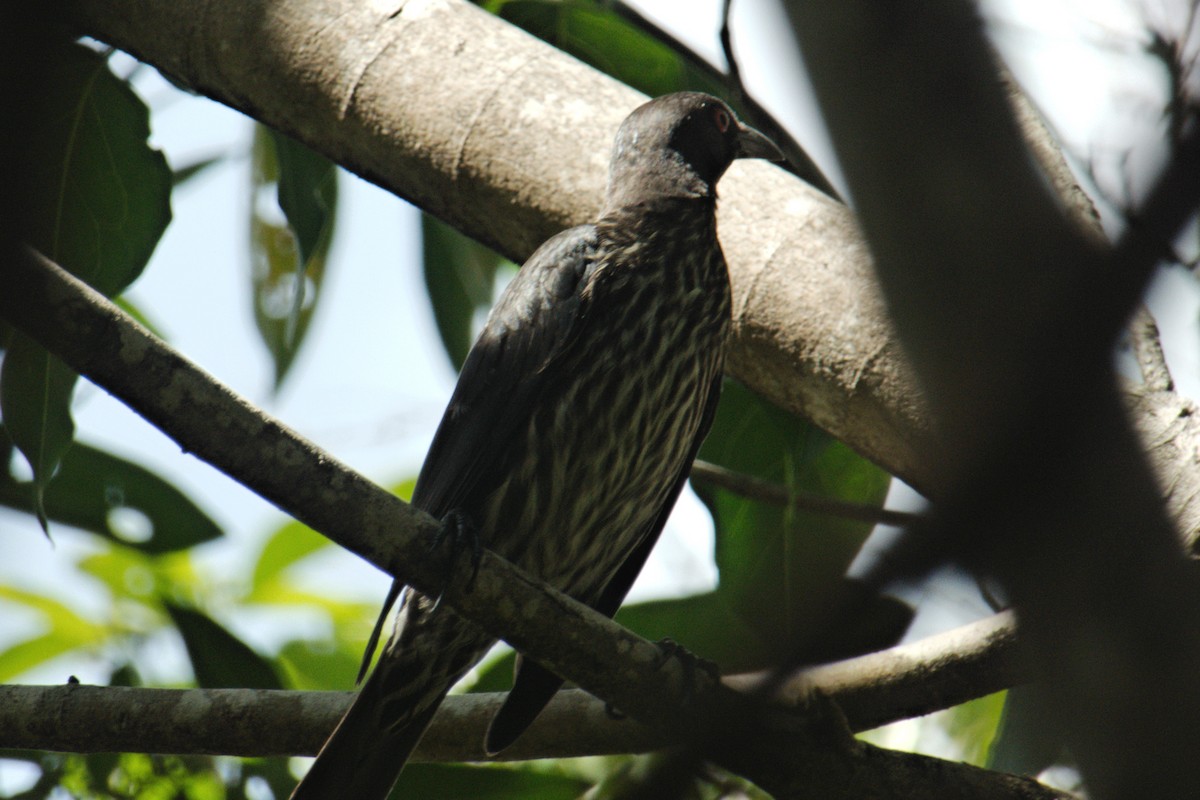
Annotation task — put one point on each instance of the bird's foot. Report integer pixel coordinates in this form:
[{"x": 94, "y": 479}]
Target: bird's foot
[
  {"x": 691, "y": 663},
  {"x": 460, "y": 531}
]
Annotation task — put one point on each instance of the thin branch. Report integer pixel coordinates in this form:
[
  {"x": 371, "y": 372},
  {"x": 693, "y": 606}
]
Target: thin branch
[
  {"x": 902, "y": 682},
  {"x": 765, "y": 491},
  {"x": 1147, "y": 349}
]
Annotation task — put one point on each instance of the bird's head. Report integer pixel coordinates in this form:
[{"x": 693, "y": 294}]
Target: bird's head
[{"x": 679, "y": 145}]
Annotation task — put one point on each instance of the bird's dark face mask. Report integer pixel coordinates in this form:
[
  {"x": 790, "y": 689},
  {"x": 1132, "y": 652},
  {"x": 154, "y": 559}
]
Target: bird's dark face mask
[{"x": 710, "y": 138}]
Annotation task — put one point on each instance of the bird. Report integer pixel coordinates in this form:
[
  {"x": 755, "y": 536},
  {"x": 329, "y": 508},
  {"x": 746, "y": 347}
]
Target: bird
[{"x": 571, "y": 430}]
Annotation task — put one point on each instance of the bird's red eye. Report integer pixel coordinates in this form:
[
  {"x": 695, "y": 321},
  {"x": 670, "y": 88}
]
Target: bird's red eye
[{"x": 721, "y": 117}]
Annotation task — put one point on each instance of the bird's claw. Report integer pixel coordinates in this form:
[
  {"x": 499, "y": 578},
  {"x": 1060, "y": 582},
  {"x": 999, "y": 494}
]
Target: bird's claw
[
  {"x": 458, "y": 529},
  {"x": 689, "y": 662}
]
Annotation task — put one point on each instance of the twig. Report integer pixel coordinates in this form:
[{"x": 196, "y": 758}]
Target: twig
[{"x": 768, "y": 492}]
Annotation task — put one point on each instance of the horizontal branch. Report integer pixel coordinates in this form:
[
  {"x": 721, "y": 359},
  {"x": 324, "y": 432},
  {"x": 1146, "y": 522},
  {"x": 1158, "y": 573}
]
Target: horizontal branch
[
  {"x": 903, "y": 682},
  {"x": 101, "y": 342}
]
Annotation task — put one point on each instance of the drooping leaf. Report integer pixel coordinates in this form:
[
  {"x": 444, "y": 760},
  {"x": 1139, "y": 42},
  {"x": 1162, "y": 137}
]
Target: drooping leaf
[
  {"x": 99, "y": 204},
  {"x": 35, "y": 400},
  {"x": 293, "y": 209},
  {"x": 94, "y": 489},
  {"x": 220, "y": 659},
  {"x": 459, "y": 276}
]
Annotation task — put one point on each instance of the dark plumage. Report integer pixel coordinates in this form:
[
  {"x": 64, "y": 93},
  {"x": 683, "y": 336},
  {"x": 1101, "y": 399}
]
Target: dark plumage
[{"x": 573, "y": 425}]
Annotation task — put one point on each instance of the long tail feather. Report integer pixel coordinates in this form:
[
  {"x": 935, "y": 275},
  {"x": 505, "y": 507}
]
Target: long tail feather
[{"x": 363, "y": 758}]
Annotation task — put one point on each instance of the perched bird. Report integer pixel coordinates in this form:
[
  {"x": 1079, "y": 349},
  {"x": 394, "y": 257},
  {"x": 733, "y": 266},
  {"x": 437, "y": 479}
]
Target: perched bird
[{"x": 572, "y": 428}]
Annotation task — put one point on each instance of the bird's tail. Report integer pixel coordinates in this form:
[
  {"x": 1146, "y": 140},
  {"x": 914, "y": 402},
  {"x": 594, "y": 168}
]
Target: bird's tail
[{"x": 364, "y": 756}]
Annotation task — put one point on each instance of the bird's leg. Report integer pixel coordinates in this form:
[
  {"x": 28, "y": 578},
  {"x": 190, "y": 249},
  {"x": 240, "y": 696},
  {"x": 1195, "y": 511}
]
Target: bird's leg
[{"x": 460, "y": 531}]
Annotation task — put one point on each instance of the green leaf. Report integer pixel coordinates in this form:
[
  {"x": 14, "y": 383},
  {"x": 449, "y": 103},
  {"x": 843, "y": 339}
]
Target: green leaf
[
  {"x": 973, "y": 726},
  {"x": 780, "y": 570},
  {"x": 319, "y": 666},
  {"x": 100, "y": 202},
  {"x": 599, "y": 37},
  {"x": 293, "y": 208},
  {"x": 66, "y": 631},
  {"x": 104, "y": 194},
  {"x": 219, "y": 659},
  {"x": 291, "y": 543},
  {"x": 35, "y": 402},
  {"x": 459, "y": 277},
  {"x": 92, "y": 491}
]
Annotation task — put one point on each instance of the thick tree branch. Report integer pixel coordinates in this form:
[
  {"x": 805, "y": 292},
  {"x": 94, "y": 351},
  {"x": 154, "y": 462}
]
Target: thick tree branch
[
  {"x": 789, "y": 754},
  {"x": 465, "y": 115},
  {"x": 899, "y": 683}
]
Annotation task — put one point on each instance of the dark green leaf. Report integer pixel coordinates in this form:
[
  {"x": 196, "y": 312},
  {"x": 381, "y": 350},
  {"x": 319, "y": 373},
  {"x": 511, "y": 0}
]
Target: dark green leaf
[
  {"x": 459, "y": 276},
  {"x": 293, "y": 208},
  {"x": 104, "y": 195},
  {"x": 35, "y": 402},
  {"x": 93, "y": 489},
  {"x": 219, "y": 659},
  {"x": 599, "y": 37},
  {"x": 100, "y": 202}
]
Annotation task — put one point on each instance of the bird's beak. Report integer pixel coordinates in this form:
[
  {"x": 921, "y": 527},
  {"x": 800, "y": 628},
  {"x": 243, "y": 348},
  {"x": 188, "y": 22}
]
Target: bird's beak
[{"x": 752, "y": 144}]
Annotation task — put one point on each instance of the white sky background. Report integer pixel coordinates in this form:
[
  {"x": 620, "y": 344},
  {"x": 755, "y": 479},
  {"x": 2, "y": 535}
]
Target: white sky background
[{"x": 372, "y": 379}]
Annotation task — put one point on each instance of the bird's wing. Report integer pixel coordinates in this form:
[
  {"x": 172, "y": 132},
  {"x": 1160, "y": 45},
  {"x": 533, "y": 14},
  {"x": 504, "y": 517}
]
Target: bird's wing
[
  {"x": 530, "y": 325},
  {"x": 505, "y": 369},
  {"x": 533, "y": 684}
]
